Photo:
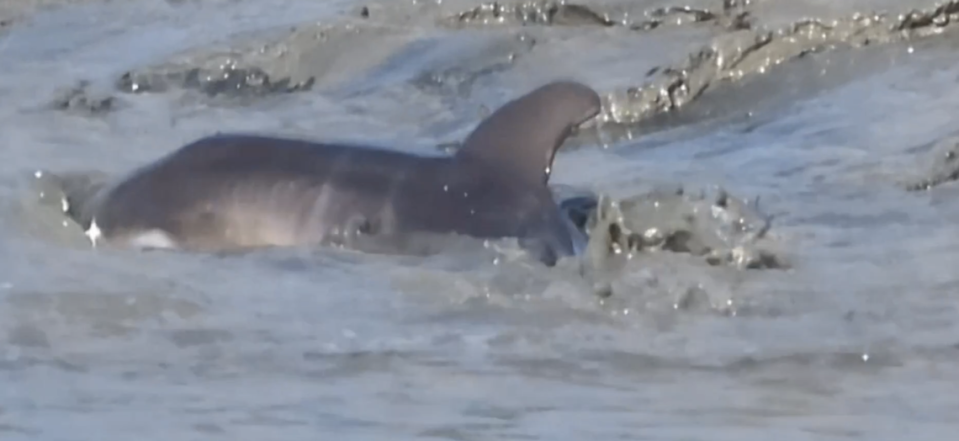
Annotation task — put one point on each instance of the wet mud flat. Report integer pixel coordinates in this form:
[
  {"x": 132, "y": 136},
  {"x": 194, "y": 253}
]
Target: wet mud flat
[{"x": 768, "y": 191}]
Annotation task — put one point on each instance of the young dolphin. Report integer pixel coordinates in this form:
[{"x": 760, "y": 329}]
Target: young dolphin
[{"x": 234, "y": 191}]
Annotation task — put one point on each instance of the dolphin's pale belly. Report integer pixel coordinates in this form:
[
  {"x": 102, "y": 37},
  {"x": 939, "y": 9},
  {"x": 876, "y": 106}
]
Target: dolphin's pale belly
[{"x": 252, "y": 213}]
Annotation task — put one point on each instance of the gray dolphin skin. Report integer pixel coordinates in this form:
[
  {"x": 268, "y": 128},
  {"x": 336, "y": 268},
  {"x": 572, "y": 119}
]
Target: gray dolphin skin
[{"x": 236, "y": 191}]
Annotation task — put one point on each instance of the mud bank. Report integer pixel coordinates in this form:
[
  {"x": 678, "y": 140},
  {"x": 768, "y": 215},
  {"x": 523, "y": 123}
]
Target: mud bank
[
  {"x": 737, "y": 40},
  {"x": 747, "y": 38},
  {"x": 743, "y": 39}
]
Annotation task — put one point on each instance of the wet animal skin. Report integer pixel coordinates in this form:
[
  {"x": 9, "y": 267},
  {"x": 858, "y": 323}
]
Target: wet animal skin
[{"x": 236, "y": 191}]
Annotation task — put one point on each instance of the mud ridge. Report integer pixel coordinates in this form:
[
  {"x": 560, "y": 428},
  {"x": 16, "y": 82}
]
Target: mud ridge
[
  {"x": 747, "y": 51},
  {"x": 294, "y": 62},
  {"x": 743, "y": 48},
  {"x": 81, "y": 100},
  {"x": 562, "y": 13},
  {"x": 549, "y": 13}
]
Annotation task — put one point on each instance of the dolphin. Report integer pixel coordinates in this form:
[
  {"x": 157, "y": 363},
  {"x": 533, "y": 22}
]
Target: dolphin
[{"x": 238, "y": 191}]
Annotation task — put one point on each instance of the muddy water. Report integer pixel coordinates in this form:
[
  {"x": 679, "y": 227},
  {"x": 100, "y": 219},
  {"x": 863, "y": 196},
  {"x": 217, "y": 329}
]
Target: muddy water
[{"x": 857, "y": 338}]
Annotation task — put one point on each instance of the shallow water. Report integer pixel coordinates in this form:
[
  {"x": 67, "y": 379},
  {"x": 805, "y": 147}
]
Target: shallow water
[{"x": 858, "y": 340}]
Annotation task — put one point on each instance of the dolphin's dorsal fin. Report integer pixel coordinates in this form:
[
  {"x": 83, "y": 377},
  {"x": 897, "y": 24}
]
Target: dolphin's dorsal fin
[{"x": 524, "y": 134}]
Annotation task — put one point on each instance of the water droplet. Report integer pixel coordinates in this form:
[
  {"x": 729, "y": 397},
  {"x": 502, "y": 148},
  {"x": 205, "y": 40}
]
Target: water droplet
[{"x": 93, "y": 233}]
